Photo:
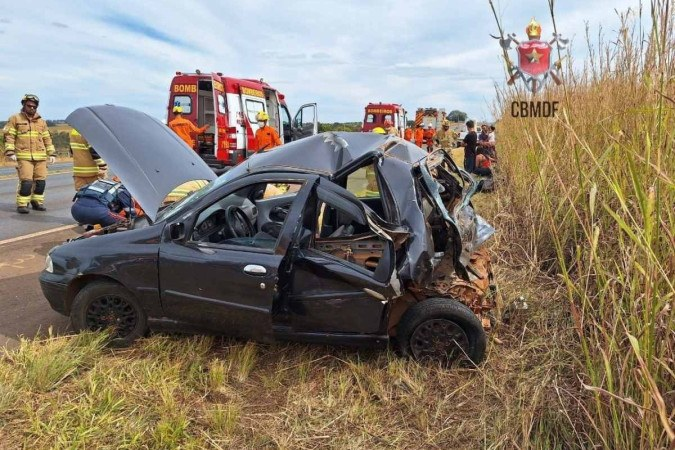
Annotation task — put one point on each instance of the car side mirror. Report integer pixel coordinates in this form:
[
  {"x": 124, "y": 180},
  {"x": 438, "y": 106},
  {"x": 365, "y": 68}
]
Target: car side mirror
[{"x": 177, "y": 231}]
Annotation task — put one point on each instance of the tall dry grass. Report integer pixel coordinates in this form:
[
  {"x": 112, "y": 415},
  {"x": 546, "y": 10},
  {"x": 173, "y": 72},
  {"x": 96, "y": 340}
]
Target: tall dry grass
[{"x": 591, "y": 196}]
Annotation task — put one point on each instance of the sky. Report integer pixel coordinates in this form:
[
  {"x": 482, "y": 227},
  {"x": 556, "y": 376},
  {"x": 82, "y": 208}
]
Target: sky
[{"x": 341, "y": 54}]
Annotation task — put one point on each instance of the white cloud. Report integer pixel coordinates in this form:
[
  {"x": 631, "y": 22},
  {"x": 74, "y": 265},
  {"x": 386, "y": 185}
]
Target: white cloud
[{"x": 342, "y": 54}]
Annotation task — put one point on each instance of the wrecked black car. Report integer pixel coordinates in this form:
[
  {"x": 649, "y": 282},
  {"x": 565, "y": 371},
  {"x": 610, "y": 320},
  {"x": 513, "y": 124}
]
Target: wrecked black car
[{"x": 340, "y": 238}]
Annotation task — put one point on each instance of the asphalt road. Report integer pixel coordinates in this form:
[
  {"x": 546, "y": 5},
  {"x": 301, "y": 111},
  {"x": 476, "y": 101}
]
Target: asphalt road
[
  {"x": 25, "y": 312},
  {"x": 58, "y": 199}
]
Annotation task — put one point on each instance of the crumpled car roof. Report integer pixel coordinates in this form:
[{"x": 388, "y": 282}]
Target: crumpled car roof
[
  {"x": 150, "y": 159},
  {"x": 327, "y": 153}
]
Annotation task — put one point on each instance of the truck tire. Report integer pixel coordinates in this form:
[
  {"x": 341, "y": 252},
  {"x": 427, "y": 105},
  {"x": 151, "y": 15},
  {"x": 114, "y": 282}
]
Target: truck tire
[
  {"x": 441, "y": 330},
  {"x": 107, "y": 305}
]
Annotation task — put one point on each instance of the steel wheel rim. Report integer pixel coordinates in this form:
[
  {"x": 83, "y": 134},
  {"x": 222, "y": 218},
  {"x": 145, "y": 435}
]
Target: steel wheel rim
[
  {"x": 111, "y": 312},
  {"x": 439, "y": 339}
]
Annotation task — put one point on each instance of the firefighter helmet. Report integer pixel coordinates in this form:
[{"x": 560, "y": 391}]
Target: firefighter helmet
[
  {"x": 178, "y": 109},
  {"x": 32, "y": 97},
  {"x": 262, "y": 115},
  {"x": 379, "y": 130}
]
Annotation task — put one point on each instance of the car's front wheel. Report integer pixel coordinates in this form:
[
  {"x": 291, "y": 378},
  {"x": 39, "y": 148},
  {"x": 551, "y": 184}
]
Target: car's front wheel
[
  {"x": 106, "y": 305},
  {"x": 442, "y": 330}
]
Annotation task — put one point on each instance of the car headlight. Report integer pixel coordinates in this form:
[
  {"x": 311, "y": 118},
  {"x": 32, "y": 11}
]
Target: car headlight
[{"x": 49, "y": 266}]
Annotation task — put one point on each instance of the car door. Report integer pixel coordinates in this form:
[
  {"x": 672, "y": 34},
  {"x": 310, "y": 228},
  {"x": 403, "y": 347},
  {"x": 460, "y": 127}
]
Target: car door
[
  {"x": 226, "y": 289},
  {"x": 333, "y": 294},
  {"x": 286, "y": 132},
  {"x": 305, "y": 122}
]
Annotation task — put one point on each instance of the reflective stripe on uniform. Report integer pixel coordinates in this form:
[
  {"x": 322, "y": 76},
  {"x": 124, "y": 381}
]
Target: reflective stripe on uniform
[
  {"x": 85, "y": 171},
  {"x": 22, "y": 201}
]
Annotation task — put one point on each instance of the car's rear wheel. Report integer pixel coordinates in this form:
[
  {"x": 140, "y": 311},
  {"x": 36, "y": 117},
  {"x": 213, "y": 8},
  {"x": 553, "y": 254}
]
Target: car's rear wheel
[
  {"x": 442, "y": 330},
  {"x": 106, "y": 305}
]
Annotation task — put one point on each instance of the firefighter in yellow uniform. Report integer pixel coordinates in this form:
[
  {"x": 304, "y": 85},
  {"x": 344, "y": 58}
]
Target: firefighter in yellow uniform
[
  {"x": 446, "y": 138},
  {"x": 87, "y": 164},
  {"x": 371, "y": 189},
  {"x": 184, "y": 190},
  {"x": 389, "y": 128},
  {"x": 29, "y": 144}
]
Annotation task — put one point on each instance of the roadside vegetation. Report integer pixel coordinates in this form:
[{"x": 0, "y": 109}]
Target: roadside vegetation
[
  {"x": 589, "y": 199},
  {"x": 585, "y": 213}
]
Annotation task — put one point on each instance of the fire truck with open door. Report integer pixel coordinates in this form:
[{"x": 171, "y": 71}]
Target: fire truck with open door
[
  {"x": 377, "y": 113},
  {"x": 229, "y": 106}
]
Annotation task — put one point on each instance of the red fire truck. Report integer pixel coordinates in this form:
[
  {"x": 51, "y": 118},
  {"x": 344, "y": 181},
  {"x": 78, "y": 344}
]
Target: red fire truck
[
  {"x": 229, "y": 106},
  {"x": 377, "y": 113}
]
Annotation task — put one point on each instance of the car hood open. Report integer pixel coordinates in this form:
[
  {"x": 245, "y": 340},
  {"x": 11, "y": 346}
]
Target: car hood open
[{"x": 149, "y": 158}]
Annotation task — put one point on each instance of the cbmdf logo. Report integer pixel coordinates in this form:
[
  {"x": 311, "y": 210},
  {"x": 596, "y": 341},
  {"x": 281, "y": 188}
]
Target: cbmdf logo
[{"x": 534, "y": 57}]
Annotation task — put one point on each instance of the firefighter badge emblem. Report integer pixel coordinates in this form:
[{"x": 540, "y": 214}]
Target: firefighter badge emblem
[{"x": 534, "y": 57}]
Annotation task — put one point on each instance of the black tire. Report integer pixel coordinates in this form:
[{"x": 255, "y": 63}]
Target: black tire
[
  {"x": 442, "y": 330},
  {"x": 107, "y": 305}
]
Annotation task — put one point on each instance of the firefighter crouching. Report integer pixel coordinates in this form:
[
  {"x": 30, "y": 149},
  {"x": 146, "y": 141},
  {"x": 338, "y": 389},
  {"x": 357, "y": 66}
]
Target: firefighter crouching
[
  {"x": 29, "y": 144},
  {"x": 87, "y": 164},
  {"x": 103, "y": 203}
]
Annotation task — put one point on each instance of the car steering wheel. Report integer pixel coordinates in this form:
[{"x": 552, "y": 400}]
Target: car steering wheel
[{"x": 237, "y": 222}]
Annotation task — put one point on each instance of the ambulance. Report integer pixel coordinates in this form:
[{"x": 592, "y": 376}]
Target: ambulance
[
  {"x": 229, "y": 106},
  {"x": 377, "y": 113}
]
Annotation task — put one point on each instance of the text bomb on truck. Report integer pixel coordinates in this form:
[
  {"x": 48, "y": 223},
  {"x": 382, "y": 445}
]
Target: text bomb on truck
[{"x": 229, "y": 106}]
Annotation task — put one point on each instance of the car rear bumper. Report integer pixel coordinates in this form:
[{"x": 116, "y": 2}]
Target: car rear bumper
[{"x": 55, "y": 291}]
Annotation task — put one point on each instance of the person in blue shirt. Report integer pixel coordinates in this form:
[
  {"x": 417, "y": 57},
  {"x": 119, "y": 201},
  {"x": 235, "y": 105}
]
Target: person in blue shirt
[{"x": 103, "y": 203}]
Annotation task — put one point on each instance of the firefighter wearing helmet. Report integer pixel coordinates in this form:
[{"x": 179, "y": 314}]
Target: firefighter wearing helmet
[
  {"x": 389, "y": 128},
  {"x": 29, "y": 144},
  {"x": 266, "y": 136},
  {"x": 184, "y": 128},
  {"x": 429, "y": 135},
  {"x": 445, "y": 137}
]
